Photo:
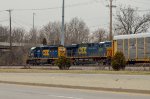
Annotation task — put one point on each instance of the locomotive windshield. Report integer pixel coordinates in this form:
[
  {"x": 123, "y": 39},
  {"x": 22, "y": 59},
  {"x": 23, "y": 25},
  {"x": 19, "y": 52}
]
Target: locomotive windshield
[
  {"x": 32, "y": 48},
  {"x": 31, "y": 53}
]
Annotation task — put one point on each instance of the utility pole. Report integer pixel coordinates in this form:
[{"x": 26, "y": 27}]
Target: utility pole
[
  {"x": 110, "y": 27},
  {"x": 34, "y": 32},
  {"x": 110, "y": 35},
  {"x": 33, "y": 21},
  {"x": 10, "y": 30},
  {"x": 62, "y": 30}
]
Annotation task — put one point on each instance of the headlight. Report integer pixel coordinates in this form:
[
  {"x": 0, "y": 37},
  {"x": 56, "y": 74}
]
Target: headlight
[{"x": 31, "y": 55}]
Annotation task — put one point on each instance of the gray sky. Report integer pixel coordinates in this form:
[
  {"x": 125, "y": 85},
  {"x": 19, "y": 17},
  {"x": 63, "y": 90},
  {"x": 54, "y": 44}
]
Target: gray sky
[{"x": 93, "y": 12}]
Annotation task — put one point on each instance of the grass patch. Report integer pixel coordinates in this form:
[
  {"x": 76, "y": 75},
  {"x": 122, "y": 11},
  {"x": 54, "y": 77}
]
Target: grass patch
[{"x": 74, "y": 71}]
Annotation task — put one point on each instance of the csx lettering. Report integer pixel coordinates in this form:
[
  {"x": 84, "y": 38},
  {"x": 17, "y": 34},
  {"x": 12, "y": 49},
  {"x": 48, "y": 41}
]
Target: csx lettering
[{"x": 46, "y": 52}]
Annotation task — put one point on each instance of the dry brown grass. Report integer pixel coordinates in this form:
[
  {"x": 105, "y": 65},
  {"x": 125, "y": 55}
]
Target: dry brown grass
[{"x": 74, "y": 71}]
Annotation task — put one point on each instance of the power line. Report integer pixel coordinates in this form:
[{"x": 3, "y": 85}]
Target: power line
[
  {"x": 27, "y": 24},
  {"x": 95, "y": 26},
  {"x": 53, "y": 8},
  {"x": 4, "y": 20},
  {"x": 140, "y": 10},
  {"x": 3, "y": 10},
  {"x": 148, "y": 10},
  {"x": 140, "y": 2},
  {"x": 21, "y": 25},
  {"x": 37, "y": 9}
]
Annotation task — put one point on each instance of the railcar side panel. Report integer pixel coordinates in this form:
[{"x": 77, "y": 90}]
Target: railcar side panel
[
  {"x": 148, "y": 47},
  {"x": 132, "y": 47},
  {"x": 72, "y": 50},
  {"x": 126, "y": 48},
  {"x": 140, "y": 48},
  {"x": 120, "y": 45},
  {"x": 92, "y": 49}
]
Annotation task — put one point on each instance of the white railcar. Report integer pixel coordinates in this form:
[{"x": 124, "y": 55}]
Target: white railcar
[{"x": 136, "y": 47}]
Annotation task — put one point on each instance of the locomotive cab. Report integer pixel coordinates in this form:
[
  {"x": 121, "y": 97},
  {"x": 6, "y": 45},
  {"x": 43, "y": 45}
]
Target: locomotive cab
[
  {"x": 108, "y": 46},
  {"x": 31, "y": 52},
  {"x": 35, "y": 52}
]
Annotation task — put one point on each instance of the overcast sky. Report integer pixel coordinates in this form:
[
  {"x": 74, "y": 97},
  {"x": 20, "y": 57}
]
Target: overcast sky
[{"x": 94, "y": 12}]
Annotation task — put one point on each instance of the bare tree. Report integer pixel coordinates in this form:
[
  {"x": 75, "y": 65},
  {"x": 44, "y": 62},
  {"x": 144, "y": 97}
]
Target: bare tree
[
  {"x": 99, "y": 35},
  {"x": 129, "y": 21},
  {"x": 12, "y": 58},
  {"x": 4, "y": 34},
  {"x": 18, "y": 35},
  {"x": 32, "y": 36},
  {"x": 76, "y": 32},
  {"x": 51, "y": 32},
  {"x": 44, "y": 41}
]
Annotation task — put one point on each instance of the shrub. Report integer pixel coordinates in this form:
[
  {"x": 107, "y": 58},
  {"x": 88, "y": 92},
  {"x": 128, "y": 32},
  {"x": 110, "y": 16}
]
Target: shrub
[
  {"x": 118, "y": 61},
  {"x": 63, "y": 63}
]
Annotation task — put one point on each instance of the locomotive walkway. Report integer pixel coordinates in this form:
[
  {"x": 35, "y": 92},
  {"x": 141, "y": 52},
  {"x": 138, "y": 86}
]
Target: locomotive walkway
[{"x": 102, "y": 82}]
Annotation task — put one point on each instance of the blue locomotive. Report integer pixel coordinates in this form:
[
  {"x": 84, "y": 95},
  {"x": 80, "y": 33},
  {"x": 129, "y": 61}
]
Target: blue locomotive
[{"x": 84, "y": 53}]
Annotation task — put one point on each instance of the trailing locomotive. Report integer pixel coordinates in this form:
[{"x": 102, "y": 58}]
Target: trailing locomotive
[
  {"x": 78, "y": 53},
  {"x": 88, "y": 53}
]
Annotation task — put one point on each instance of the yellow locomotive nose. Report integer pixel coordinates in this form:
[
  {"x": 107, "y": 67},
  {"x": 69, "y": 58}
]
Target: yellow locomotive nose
[{"x": 61, "y": 51}]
